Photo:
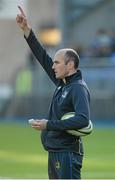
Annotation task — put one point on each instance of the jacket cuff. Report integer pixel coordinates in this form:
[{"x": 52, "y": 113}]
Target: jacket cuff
[{"x": 27, "y": 33}]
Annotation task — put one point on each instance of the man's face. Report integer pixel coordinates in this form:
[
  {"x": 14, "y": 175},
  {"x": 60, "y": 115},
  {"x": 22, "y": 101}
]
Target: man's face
[{"x": 60, "y": 68}]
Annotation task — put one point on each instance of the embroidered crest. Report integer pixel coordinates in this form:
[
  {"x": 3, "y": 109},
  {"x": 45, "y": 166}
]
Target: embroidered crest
[
  {"x": 64, "y": 94},
  {"x": 57, "y": 165}
]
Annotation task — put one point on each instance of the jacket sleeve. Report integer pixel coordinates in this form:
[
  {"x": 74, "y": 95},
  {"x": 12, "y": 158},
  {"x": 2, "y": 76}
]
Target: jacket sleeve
[
  {"x": 41, "y": 55},
  {"x": 80, "y": 100}
]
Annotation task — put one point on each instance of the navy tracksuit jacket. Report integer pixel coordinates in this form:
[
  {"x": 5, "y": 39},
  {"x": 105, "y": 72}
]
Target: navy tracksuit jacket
[{"x": 73, "y": 96}]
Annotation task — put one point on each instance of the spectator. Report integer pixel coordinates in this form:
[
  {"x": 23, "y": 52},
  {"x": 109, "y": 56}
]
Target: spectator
[{"x": 102, "y": 44}]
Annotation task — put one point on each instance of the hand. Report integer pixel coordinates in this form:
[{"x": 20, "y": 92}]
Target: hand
[
  {"x": 22, "y": 20},
  {"x": 39, "y": 124}
]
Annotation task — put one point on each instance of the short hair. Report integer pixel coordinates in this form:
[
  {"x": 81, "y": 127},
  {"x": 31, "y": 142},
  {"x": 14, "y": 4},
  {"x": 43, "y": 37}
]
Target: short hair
[{"x": 71, "y": 55}]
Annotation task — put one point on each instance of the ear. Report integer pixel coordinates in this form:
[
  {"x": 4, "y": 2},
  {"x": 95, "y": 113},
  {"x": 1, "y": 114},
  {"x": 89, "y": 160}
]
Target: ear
[{"x": 71, "y": 64}]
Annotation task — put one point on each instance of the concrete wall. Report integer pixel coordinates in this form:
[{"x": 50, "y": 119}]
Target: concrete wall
[
  {"x": 42, "y": 11},
  {"x": 13, "y": 48}
]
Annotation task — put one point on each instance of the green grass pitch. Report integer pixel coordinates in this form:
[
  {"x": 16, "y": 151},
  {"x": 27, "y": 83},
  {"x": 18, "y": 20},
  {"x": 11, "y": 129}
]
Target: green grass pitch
[{"x": 22, "y": 155}]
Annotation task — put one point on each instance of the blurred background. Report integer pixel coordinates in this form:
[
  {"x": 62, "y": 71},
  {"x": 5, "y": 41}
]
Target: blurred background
[{"x": 88, "y": 26}]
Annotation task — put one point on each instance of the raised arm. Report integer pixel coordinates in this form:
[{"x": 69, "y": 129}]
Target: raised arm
[{"x": 37, "y": 49}]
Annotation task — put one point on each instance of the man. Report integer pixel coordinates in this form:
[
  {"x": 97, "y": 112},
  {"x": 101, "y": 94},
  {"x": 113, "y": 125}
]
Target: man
[{"x": 71, "y": 95}]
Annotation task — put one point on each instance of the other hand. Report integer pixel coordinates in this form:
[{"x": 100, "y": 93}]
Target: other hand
[{"x": 39, "y": 124}]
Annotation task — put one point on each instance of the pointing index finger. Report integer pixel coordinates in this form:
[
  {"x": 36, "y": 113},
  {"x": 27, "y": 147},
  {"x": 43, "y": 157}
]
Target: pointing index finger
[{"x": 21, "y": 10}]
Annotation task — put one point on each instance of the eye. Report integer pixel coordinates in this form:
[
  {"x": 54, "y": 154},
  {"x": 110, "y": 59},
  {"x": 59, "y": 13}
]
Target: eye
[{"x": 56, "y": 62}]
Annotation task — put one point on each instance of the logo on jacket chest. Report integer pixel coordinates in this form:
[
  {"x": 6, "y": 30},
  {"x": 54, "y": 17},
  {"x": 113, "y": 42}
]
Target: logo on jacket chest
[{"x": 64, "y": 94}]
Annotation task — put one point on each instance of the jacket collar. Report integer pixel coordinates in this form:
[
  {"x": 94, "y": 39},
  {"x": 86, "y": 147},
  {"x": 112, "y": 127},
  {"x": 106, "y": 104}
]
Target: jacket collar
[{"x": 73, "y": 77}]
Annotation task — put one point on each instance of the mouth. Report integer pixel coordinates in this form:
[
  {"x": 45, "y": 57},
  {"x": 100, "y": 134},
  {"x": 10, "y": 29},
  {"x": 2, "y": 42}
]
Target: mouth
[{"x": 55, "y": 72}]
